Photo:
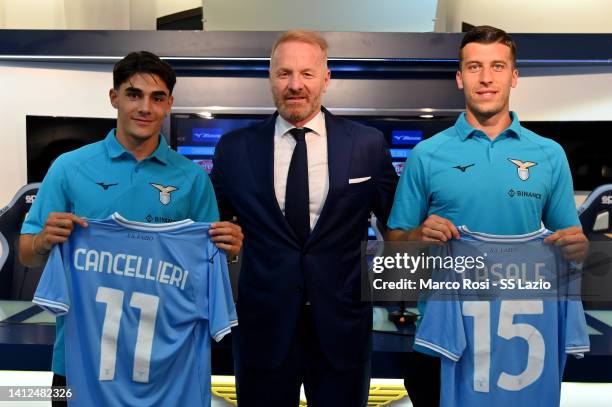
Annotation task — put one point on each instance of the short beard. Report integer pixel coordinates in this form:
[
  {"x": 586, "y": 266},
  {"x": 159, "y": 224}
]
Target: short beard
[{"x": 293, "y": 115}]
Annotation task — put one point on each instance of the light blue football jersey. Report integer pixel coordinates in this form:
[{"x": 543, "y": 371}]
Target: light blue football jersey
[
  {"x": 505, "y": 350},
  {"x": 141, "y": 303}
]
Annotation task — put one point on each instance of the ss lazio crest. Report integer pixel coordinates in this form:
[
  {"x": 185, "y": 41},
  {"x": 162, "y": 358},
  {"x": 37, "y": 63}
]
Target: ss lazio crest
[
  {"x": 522, "y": 168},
  {"x": 164, "y": 192}
]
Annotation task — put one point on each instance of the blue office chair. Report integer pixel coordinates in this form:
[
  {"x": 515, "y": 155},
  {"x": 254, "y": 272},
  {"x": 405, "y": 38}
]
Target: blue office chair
[
  {"x": 17, "y": 282},
  {"x": 595, "y": 216}
]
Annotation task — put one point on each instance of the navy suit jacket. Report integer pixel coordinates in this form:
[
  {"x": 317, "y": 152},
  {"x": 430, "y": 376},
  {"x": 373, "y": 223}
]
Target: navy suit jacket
[{"x": 276, "y": 271}]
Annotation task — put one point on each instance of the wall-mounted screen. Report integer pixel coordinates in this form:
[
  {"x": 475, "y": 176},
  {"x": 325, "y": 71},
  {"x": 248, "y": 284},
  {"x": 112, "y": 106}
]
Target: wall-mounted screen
[
  {"x": 403, "y": 134},
  {"x": 196, "y": 136},
  {"x": 590, "y": 162},
  {"x": 49, "y": 136}
]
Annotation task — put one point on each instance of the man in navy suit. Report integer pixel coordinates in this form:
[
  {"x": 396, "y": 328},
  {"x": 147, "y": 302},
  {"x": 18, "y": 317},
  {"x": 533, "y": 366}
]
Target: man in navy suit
[{"x": 302, "y": 185}]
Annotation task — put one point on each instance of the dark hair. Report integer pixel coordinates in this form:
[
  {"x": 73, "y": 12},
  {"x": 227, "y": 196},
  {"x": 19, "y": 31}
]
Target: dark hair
[
  {"x": 143, "y": 62},
  {"x": 485, "y": 34}
]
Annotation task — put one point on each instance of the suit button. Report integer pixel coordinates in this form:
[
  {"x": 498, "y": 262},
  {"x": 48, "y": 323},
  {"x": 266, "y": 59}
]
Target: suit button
[{"x": 298, "y": 289}]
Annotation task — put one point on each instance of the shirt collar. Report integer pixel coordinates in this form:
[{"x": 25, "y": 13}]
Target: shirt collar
[
  {"x": 465, "y": 130},
  {"x": 316, "y": 124},
  {"x": 115, "y": 149}
]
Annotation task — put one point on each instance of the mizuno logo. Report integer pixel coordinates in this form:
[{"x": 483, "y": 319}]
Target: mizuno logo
[
  {"x": 105, "y": 186},
  {"x": 164, "y": 192},
  {"x": 406, "y": 137},
  {"x": 522, "y": 168},
  {"x": 462, "y": 168}
]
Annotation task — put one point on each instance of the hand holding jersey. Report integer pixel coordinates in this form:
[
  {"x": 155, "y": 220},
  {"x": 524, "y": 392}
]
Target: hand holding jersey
[
  {"x": 227, "y": 236},
  {"x": 434, "y": 229},
  {"x": 34, "y": 248},
  {"x": 573, "y": 242},
  {"x": 59, "y": 225}
]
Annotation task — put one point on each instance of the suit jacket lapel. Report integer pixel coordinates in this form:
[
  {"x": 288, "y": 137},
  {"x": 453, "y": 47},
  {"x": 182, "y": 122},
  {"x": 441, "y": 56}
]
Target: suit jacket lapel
[
  {"x": 339, "y": 147},
  {"x": 261, "y": 151}
]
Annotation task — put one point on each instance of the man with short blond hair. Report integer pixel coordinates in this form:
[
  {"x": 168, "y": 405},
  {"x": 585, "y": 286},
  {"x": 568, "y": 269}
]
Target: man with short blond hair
[
  {"x": 302, "y": 185},
  {"x": 307, "y": 36}
]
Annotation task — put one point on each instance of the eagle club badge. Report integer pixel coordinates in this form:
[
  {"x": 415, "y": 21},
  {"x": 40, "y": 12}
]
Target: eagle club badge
[
  {"x": 164, "y": 192},
  {"x": 522, "y": 168}
]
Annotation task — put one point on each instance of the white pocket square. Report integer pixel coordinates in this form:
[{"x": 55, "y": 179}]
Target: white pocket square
[{"x": 358, "y": 180}]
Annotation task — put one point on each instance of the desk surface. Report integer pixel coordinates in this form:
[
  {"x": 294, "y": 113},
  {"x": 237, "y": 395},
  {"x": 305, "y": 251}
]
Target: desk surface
[
  {"x": 16, "y": 313},
  {"x": 27, "y": 334}
]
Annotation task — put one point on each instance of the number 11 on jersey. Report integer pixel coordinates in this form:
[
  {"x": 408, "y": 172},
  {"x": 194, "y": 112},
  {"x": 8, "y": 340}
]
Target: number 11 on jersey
[{"x": 147, "y": 304}]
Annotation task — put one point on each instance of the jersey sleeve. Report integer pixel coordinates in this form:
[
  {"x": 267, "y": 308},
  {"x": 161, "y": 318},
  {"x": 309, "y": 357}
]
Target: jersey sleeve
[
  {"x": 576, "y": 335},
  {"x": 577, "y": 341},
  {"x": 204, "y": 203},
  {"x": 52, "y": 293},
  {"x": 411, "y": 198},
  {"x": 221, "y": 309},
  {"x": 51, "y": 197},
  {"x": 560, "y": 208},
  {"x": 441, "y": 328}
]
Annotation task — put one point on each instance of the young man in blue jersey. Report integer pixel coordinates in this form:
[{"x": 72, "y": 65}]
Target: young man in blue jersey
[
  {"x": 486, "y": 172},
  {"x": 132, "y": 172}
]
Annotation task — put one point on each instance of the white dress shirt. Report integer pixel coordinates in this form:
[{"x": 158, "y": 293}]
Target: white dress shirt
[{"x": 318, "y": 177}]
